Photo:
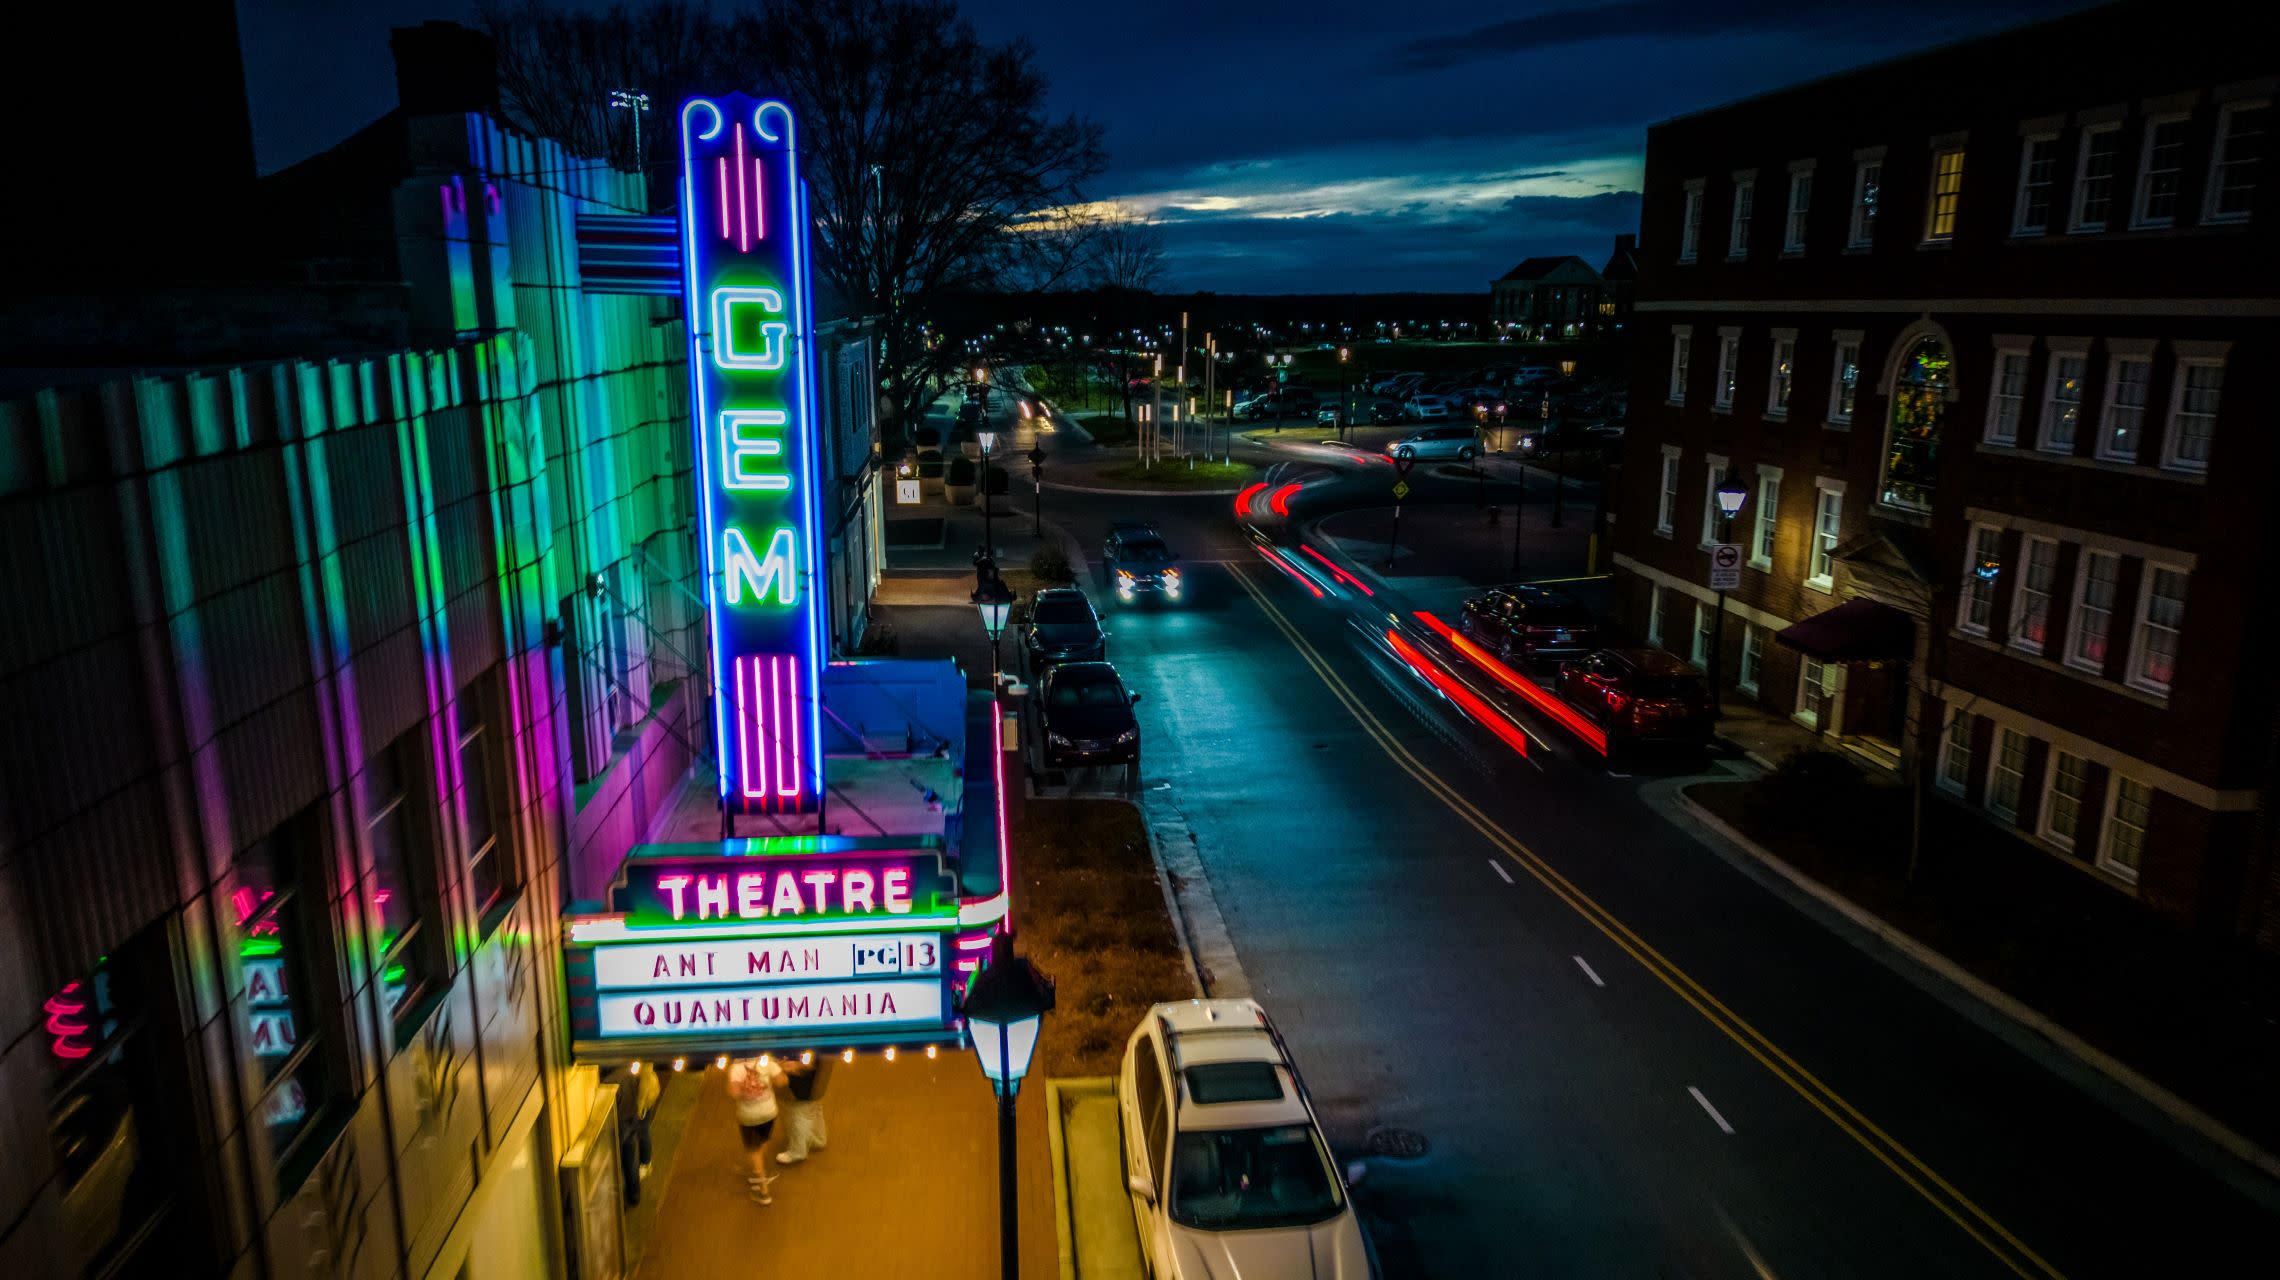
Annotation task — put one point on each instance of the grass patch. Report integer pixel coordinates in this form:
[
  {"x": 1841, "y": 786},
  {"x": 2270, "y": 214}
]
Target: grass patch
[
  {"x": 1106, "y": 428},
  {"x": 2198, "y": 1013},
  {"x": 1092, "y": 917},
  {"x": 1176, "y": 474}
]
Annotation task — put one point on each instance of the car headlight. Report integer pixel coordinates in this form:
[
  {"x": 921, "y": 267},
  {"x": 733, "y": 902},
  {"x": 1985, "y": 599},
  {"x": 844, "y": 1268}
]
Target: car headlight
[
  {"x": 1056, "y": 739},
  {"x": 1128, "y": 737},
  {"x": 1124, "y": 575}
]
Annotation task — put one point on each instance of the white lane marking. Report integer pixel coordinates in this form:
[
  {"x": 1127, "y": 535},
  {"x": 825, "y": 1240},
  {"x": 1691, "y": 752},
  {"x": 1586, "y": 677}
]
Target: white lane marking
[
  {"x": 1612, "y": 774},
  {"x": 1588, "y": 971},
  {"x": 1498, "y": 868},
  {"x": 1717, "y": 1119}
]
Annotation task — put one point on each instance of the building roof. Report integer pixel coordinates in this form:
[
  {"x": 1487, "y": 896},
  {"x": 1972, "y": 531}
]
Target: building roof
[{"x": 1538, "y": 268}]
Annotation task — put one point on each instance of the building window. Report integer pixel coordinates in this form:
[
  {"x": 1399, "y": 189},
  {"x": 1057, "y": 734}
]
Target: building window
[
  {"x": 1738, "y": 237},
  {"x": 1690, "y": 230},
  {"x": 2161, "y": 172},
  {"x": 2038, "y": 163},
  {"x": 1729, "y": 367},
  {"x": 2007, "y": 773},
  {"x": 1844, "y": 387},
  {"x": 2006, "y": 406},
  {"x": 2161, "y": 615},
  {"x": 1955, "y": 751},
  {"x": 2062, "y": 400},
  {"x": 1681, "y": 351},
  {"x": 1654, "y": 613},
  {"x": 490, "y": 864},
  {"x": 1701, "y": 654},
  {"x": 2232, "y": 172},
  {"x": 1978, "y": 594},
  {"x": 1667, "y": 506},
  {"x": 1919, "y": 418},
  {"x": 1784, "y": 370},
  {"x": 400, "y": 948},
  {"x": 1816, "y": 691},
  {"x": 1947, "y": 194},
  {"x": 1713, "y": 471},
  {"x": 107, "y": 1120},
  {"x": 2094, "y": 177},
  {"x": 2126, "y": 381},
  {"x": 2193, "y": 414},
  {"x": 2129, "y": 811},
  {"x": 2030, "y": 607},
  {"x": 1868, "y": 183},
  {"x": 272, "y": 908},
  {"x": 1800, "y": 206},
  {"x": 1828, "y": 517},
  {"x": 2095, "y": 580},
  {"x": 1753, "y": 660},
  {"x": 1768, "y": 519},
  {"x": 2062, "y": 803}
]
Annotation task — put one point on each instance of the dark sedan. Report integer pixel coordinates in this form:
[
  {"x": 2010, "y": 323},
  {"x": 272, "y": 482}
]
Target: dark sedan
[
  {"x": 1085, "y": 717},
  {"x": 1062, "y": 628},
  {"x": 1530, "y": 624}
]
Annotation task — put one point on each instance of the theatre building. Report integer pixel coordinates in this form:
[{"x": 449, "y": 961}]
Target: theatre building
[
  {"x": 350, "y": 651},
  {"x": 1980, "y": 337}
]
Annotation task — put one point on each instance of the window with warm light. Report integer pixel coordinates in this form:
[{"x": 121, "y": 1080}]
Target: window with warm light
[
  {"x": 2161, "y": 621},
  {"x": 2062, "y": 400},
  {"x": 1828, "y": 525},
  {"x": 2161, "y": 172},
  {"x": 1784, "y": 371},
  {"x": 1767, "y": 517},
  {"x": 1921, "y": 393},
  {"x": 2030, "y": 603},
  {"x": 2007, "y": 402},
  {"x": 2038, "y": 169},
  {"x": 1947, "y": 194},
  {"x": 2242, "y": 139},
  {"x": 2096, "y": 578},
  {"x": 2094, "y": 177}
]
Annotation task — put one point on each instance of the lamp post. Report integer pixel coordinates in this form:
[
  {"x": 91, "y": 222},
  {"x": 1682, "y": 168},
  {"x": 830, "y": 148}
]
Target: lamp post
[
  {"x": 637, "y": 102},
  {"x": 1559, "y": 461},
  {"x": 1004, "y": 1008},
  {"x": 1037, "y": 478},
  {"x": 987, "y": 438},
  {"x": 1345, "y": 392},
  {"x": 995, "y": 600},
  {"x": 1731, "y": 495}
]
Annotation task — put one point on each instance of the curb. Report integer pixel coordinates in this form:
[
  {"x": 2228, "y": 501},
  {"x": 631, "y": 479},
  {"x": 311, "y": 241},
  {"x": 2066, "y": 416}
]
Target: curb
[
  {"x": 1993, "y": 998},
  {"x": 1144, "y": 493},
  {"x": 1222, "y": 975},
  {"x": 1064, "y": 1231}
]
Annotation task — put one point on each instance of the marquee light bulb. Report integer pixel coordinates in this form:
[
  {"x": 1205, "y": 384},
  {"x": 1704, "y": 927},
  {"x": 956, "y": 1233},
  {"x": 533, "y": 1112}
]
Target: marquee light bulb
[
  {"x": 847, "y": 1055},
  {"x": 807, "y": 1057},
  {"x": 721, "y": 1062},
  {"x": 636, "y": 1068},
  {"x": 931, "y": 1051},
  {"x": 890, "y": 1053},
  {"x": 680, "y": 1064}
]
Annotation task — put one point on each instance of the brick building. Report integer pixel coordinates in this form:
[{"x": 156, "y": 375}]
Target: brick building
[
  {"x": 1979, "y": 333},
  {"x": 1547, "y": 299}
]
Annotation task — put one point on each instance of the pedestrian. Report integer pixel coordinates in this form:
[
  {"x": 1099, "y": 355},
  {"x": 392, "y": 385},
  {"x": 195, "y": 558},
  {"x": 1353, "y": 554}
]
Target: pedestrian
[
  {"x": 648, "y": 1092},
  {"x": 803, "y": 1107},
  {"x": 752, "y": 1084}
]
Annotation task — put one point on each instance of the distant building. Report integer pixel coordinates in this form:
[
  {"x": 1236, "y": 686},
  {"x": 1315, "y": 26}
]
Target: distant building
[
  {"x": 1619, "y": 280},
  {"x": 1981, "y": 334},
  {"x": 1548, "y": 299}
]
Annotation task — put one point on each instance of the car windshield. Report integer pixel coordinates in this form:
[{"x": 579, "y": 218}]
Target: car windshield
[
  {"x": 1245, "y": 1179},
  {"x": 1087, "y": 691},
  {"x": 1147, "y": 552},
  {"x": 1062, "y": 612}
]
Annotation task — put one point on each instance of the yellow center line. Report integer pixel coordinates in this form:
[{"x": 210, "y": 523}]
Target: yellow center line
[{"x": 1911, "y": 1170}]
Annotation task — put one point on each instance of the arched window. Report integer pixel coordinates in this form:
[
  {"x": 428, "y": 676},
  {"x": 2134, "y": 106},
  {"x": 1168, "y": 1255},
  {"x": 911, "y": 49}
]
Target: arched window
[{"x": 1920, "y": 394}]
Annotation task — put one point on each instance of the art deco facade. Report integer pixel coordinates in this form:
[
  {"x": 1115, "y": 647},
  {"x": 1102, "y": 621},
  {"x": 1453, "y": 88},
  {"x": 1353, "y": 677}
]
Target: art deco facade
[{"x": 1983, "y": 335}]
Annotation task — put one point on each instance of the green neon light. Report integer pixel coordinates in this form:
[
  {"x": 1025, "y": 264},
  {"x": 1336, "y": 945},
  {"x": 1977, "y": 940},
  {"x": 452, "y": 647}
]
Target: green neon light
[{"x": 253, "y": 947}]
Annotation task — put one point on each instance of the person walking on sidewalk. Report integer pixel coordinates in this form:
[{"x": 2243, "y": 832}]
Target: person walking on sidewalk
[
  {"x": 803, "y": 1108},
  {"x": 752, "y": 1086}
]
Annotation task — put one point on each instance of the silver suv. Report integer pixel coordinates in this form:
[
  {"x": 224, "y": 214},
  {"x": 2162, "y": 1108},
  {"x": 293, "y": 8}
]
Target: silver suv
[{"x": 1461, "y": 443}]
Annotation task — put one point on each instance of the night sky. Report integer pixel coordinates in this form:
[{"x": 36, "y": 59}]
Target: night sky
[{"x": 1295, "y": 147}]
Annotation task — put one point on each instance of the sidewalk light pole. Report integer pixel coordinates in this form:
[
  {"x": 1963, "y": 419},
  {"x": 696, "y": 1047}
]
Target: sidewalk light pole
[
  {"x": 1559, "y": 463},
  {"x": 995, "y": 600},
  {"x": 1345, "y": 392},
  {"x": 1037, "y": 478},
  {"x": 1731, "y": 496},
  {"x": 1004, "y": 1008}
]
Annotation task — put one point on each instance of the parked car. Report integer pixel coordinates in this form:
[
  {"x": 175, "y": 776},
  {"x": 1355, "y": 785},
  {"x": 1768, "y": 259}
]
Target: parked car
[
  {"x": 1137, "y": 561},
  {"x": 1278, "y": 404},
  {"x": 1425, "y": 408},
  {"x": 1530, "y": 624},
  {"x": 1384, "y": 412},
  {"x": 1224, "y": 1157},
  {"x": 1461, "y": 443},
  {"x": 1085, "y": 717},
  {"x": 1639, "y": 695},
  {"x": 1330, "y": 415},
  {"x": 1062, "y": 628}
]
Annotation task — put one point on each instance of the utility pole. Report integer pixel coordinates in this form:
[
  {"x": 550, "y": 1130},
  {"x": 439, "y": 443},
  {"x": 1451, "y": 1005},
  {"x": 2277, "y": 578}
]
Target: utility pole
[{"x": 637, "y": 102}]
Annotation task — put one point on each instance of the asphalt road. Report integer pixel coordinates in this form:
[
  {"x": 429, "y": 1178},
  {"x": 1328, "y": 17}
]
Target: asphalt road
[{"x": 1624, "y": 1057}]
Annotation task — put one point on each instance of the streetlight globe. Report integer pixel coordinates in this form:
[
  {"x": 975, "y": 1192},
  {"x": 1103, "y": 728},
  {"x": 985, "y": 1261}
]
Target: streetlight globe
[{"x": 1731, "y": 496}]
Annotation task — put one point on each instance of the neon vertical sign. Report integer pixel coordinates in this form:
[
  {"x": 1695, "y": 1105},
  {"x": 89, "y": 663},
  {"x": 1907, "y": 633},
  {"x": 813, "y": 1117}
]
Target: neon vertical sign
[{"x": 745, "y": 298}]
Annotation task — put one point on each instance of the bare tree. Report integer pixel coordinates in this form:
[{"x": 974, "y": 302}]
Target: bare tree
[
  {"x": 926, "y": 150},
  {"x": 1127, "y": 251}
]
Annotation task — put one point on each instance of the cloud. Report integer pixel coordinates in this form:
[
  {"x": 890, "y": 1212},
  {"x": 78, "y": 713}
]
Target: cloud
[{"x": 1697, "y": 19}]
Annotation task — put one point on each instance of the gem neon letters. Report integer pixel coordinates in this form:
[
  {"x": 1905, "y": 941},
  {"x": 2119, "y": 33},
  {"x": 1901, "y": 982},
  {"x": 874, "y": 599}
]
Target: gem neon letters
[{"x": 745, "y": 300}]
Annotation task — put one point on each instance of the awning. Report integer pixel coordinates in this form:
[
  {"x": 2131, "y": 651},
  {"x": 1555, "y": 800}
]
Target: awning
[{"x": 1859, "y": 630}]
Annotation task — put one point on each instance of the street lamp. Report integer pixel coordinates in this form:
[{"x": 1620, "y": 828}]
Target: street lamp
[
  {"x": 1037, "y": 478},
  {"x": 1345, "y": 392},
  {"x": 1730, "y": 496},
  {"x": 995, "y": 600},
  {"x": 1004, "y": 1008}
]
